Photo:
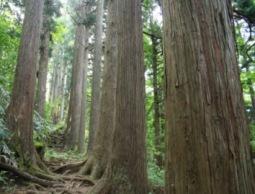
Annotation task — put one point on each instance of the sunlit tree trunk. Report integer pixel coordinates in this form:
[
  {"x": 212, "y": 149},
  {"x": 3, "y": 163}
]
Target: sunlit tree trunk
[
  {"x": 207, "y": 135},
  {"x": 20, "y": 110},
  {"x": 126, "y": 171},
  {"x": 96, "y": 77}
]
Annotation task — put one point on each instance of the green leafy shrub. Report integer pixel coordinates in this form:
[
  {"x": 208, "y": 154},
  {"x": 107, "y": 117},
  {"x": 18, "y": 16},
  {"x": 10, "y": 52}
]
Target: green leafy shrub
[
  {"x": 156, "y": 175},
  {"x": 41, "y": 127}
]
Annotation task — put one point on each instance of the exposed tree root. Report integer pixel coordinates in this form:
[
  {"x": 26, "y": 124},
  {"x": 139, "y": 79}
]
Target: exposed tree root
[
  {"x": 93, "y": 168},
  {"x": 102, "y": 187},
  {"x": 26, "y": 175},
  {"x": 80, "y": 178},
  {"x": 73, "y": 167},
  {"x": 46, "y": 176}
]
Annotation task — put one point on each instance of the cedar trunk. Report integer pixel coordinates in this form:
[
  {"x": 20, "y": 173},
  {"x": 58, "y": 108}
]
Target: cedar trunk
[
  {"x": 96, "y": 77},
  {"x": 75, "y": 105},
  {"x": 43, "y": 62},
  {"x": 42, "y": 74},
  {"x": 98, "y": 158},
  {"x": 207, "y": 135},
  {"x": 20, "y": 111},
  {"x": 126, "y": 170},
  {"x": 81, "y": 143}
]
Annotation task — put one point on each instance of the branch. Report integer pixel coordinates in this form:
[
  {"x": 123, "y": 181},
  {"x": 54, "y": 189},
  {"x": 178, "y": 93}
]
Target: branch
[{"x": 152, "y": 35}]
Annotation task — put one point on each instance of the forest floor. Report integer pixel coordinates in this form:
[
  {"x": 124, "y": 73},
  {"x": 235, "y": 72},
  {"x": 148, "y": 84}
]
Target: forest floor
[{"x": 67, "y": 181}]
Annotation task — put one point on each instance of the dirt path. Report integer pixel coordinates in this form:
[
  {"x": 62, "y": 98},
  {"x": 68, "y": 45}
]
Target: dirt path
[{"x": 67, "y": 180}]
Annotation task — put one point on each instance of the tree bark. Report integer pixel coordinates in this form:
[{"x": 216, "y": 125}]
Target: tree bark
[
  {"x": 126, "y": 171},
  {"x": 75, "y": 107},
  {"x": 20, "y": 111},
  {"x": 81, "y": 143},
  {"x": 63, "y": 89},
  {"x": 43, "y": 62},
  {"x": 96, "y": 77},
  {"x": 97, "y": 159},
  {"x": 207, "y": 134}
]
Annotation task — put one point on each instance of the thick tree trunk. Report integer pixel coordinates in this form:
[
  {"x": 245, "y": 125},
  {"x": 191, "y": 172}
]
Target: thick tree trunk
[
  {"x": 43, "y": 62},
  {"x": 76, "y": 90},
  {"x": 126, "y": 171},
  {"x": 20, "y": 110},
  {"x": 97, "y": 160},
  {"x": 207, "y": 135},
  {"x": 96, "y": 77},
  {"x": 81, "y": 143}
]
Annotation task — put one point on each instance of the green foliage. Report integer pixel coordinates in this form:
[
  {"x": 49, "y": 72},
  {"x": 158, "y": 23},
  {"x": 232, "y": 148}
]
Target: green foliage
[
  {"x": 246, "y": 8},
  {"x": 156, "y": 175},
  {"x": 41, "y": 130},
  {"x": 252, "y": 132},
  {"x": 9, "y": 43},
  {"x": 7, "y": 184},
  {"x": 3, "y": 178},
  {"x": 69, "y": 155},
  {"x": 89, "y": 20}
]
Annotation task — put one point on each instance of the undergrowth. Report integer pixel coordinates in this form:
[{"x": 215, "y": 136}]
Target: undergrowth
[{"x": 69, "y": 155}]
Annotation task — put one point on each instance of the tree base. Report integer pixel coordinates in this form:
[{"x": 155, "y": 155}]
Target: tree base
[
  {"x": 26, "y": 175},
  {"x": 94, "y": 168}
]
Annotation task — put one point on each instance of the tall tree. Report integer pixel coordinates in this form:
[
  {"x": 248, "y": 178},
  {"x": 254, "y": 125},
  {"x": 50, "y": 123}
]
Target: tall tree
[
  {"x": 20, "y": 110},
  {"x": 96, "y": 77},
  {"x": 44, "y": 58},
  {"x": 207, "y": 133},
  {"x": 126, "y": 171},
  {"x": 98, "y": 158},
  {"x": 81, "y": 143},
  {"x": 156, "y": 96},
  {"x": 75, "y": 104}
]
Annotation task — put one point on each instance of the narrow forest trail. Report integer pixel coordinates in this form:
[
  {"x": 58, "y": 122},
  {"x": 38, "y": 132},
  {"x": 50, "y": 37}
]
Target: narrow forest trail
[{"x": 66, "y": 177}]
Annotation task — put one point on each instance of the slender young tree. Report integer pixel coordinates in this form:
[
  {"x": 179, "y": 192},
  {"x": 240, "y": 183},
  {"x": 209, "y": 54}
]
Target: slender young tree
[
  {"x": 126, "y": 170},
  {"x": 96, "y": 77},
  {"x": 207, "y": 134},
  {"x": 20, "y": 111},
  {"x": 97, "y": 159},
  {"x": 156, "y": 96}
]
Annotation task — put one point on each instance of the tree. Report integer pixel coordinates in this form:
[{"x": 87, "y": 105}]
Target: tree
[
  {"x": 126, "y": 170},
  {"x": 96, "y": 77},
  {"x": 44, "y": 57},
  {"x": 20, "y": 110},
  {"x": 156, "y": 104},
  {"x": 75, "y": 104},
  {"x": 98, "y": 158},
  {"x": 207, "y": 133},
  {"x": 81, "y": 143}
]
